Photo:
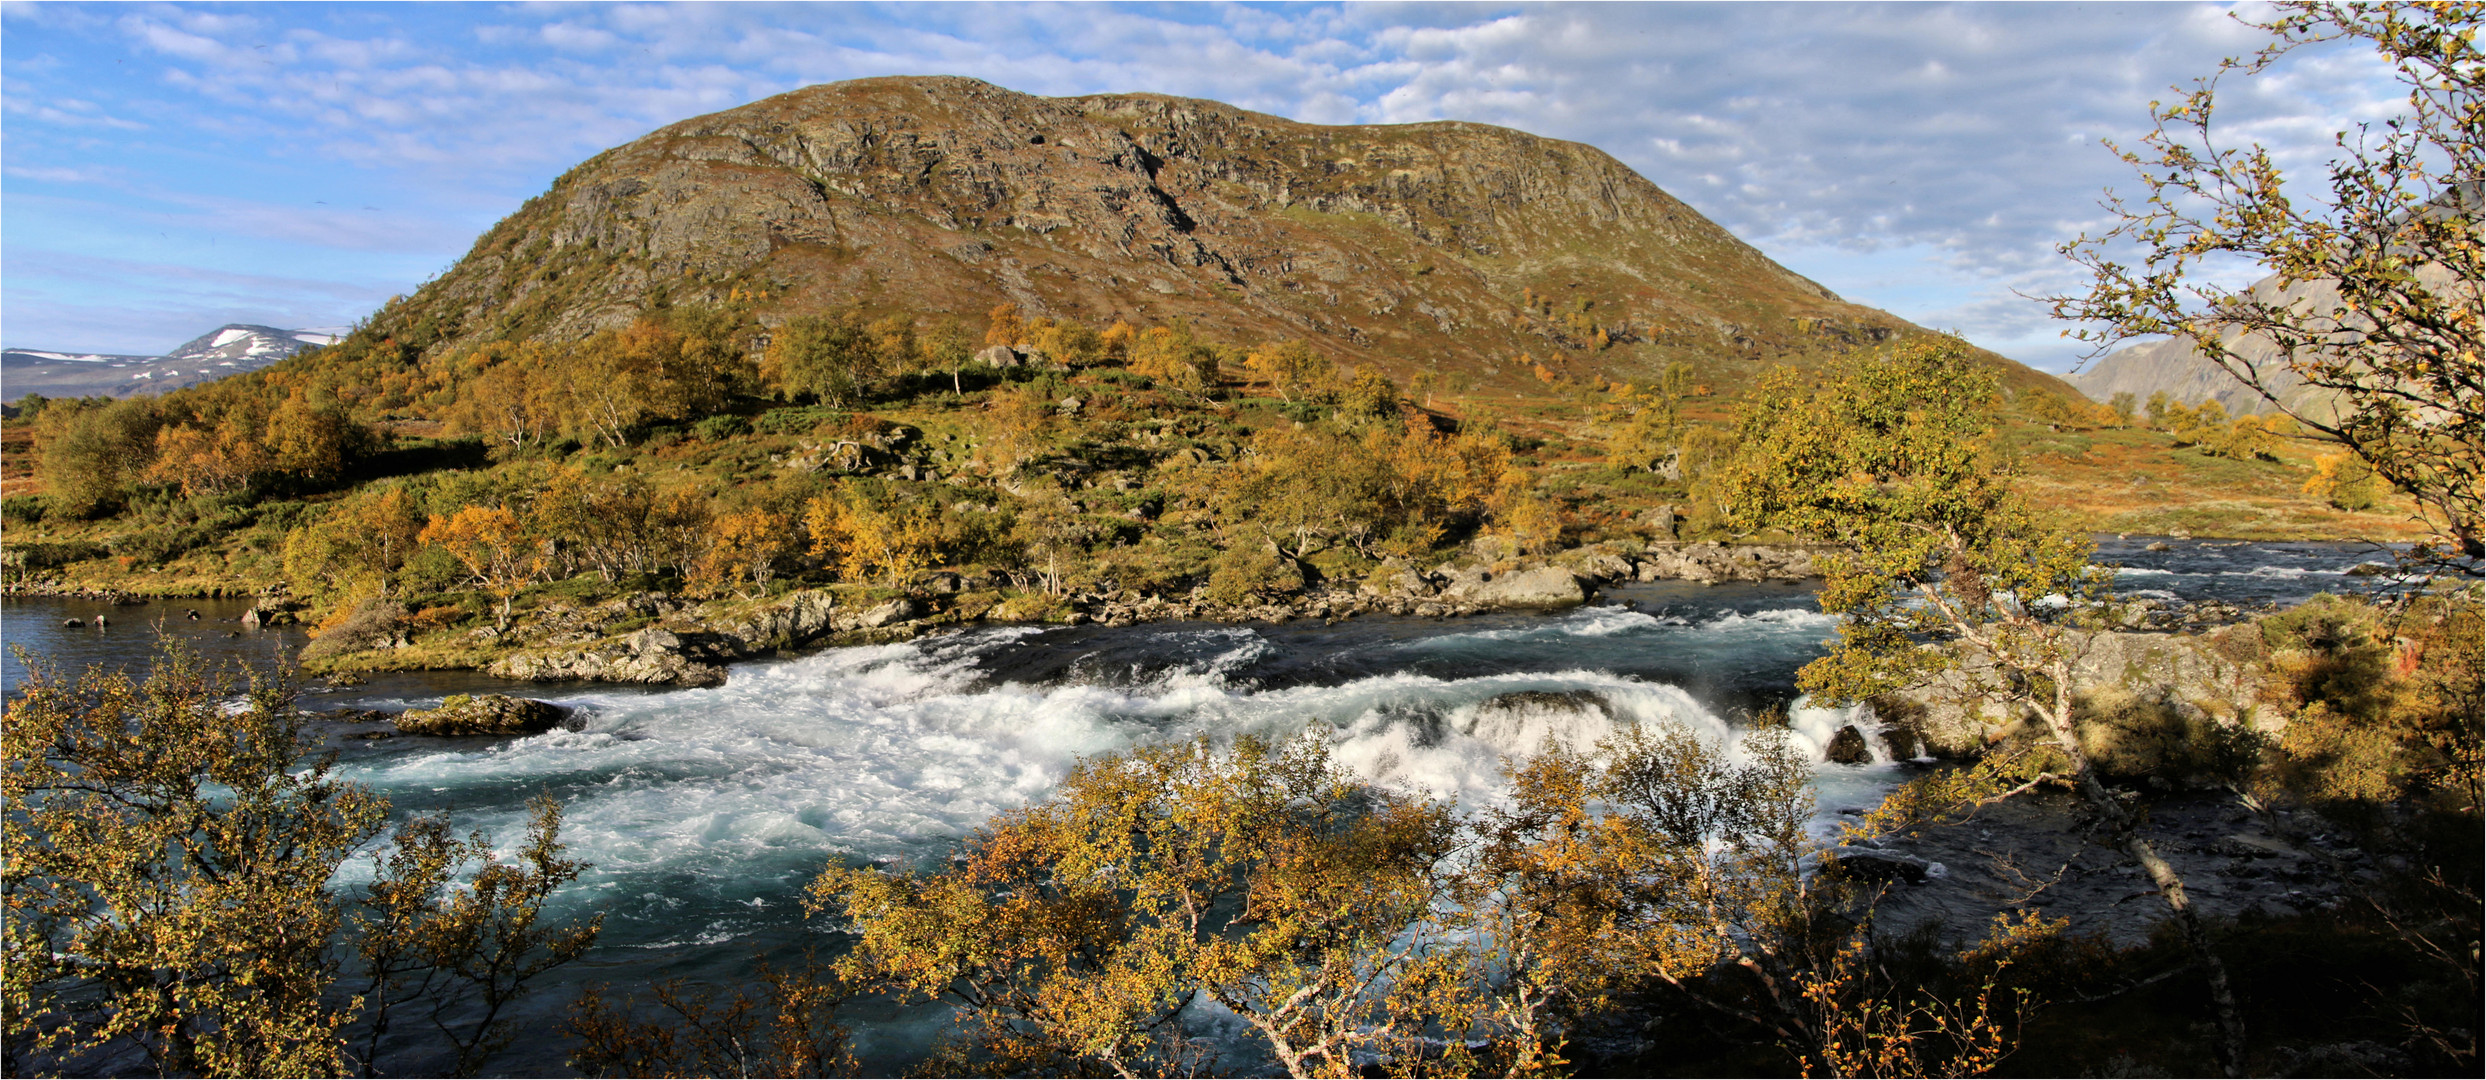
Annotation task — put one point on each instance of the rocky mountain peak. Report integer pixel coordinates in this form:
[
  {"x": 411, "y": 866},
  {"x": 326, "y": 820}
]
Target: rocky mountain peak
[{"x": 1401, "y": 245}]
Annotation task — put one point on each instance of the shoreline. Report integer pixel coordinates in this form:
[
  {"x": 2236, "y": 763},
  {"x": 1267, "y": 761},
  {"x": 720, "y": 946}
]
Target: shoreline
[{"x": 670, "y": 639}]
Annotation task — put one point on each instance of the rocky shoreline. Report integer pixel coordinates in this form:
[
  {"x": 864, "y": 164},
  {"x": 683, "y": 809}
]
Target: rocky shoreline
[
  {"x": 667, "y": 640},
  {"x": 664, "y": 639},
  {"x": 2038, "y": 852}
]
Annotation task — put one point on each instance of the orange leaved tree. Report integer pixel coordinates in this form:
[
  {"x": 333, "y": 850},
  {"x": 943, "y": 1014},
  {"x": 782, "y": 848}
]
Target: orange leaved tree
[{"x": 494, "y": 546}]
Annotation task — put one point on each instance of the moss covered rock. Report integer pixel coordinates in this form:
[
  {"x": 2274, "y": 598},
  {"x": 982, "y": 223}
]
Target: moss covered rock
[{"x": 483, "y": 714}]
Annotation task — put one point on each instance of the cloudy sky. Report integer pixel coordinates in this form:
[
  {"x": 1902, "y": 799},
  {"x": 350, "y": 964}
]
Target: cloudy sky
[{"x": 169, "y": 168}]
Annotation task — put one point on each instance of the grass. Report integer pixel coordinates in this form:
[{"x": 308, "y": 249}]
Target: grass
[{"x": 2136, "y": 481}]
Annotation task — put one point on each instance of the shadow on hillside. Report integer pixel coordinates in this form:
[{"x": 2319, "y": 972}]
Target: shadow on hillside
[{"x": 420, "y": 456}]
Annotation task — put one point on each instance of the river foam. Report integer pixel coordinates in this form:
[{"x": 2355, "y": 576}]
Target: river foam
[{"x": 892, "y": 753}]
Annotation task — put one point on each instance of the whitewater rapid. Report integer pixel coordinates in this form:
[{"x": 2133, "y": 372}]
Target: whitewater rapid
[{"x": 892, "y": 753}]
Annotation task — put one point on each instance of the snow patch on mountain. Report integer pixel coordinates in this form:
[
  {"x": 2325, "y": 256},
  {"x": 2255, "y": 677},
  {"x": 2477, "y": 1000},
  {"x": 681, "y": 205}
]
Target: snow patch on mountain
[{"x": 226, "y": 350}]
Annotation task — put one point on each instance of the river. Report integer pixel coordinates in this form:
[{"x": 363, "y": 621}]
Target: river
[{"x": 705, "y": 811}]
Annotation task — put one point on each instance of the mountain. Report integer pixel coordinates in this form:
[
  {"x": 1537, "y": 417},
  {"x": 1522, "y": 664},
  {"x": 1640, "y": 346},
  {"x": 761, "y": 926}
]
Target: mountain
[
  {"x": 2174, "y": 366},
  {"x": 231, "y": 348},
  {"x": 1448, "y": 245}
]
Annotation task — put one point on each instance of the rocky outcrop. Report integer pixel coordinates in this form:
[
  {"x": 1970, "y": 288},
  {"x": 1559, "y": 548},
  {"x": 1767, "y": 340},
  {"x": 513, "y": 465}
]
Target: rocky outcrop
[
  {"x": 483, "y": 714},
  {"x": 1542, "y": 587},
  {"x": 652, "y": 656},
  {"x": 1961, "y": 875},
  {"x": 1848, "y": 747},
  {"x": 1709, "y": 562},
  {"x": 1864, "y": 864},
  {"x": 695, "y": 650},
  {"x": 2122, "y": 679},
  {"x": 791, "y": 622}
]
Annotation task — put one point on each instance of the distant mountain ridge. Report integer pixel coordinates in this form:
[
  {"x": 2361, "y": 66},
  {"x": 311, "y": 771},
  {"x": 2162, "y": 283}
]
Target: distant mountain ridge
[
  {"x": 2174, "y": 367},
  {"x": 226, "y": 350},
  {"x": 1449, "y": 246}
]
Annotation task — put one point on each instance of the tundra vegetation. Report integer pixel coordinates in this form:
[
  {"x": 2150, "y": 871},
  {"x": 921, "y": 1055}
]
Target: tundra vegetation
[
  {"x": 169, "y": 890},
  {"x": 1655, "y": 892},
  {"x": 706, "y": 453},
  {"x": 1649, "y": 902}
]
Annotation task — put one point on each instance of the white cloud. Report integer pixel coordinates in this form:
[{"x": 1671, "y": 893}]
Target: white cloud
[{"x": 165, "y": 39}]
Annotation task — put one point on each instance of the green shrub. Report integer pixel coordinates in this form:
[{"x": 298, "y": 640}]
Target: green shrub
[
  {"x": 430, "y": 570},
  {"x": 161, "y": 544},
  {"x": 1247, "y": 572},
  {"x": 720, "y": 428},
  {"x": 1032, "y": 607},
  {"x": 586, "y": 588},
  {"x": 23, "y": 509},
  {"x": 798, "y": 420},
  {"x": 48, "y": 555},
  {"x": 285, "y": 515}
]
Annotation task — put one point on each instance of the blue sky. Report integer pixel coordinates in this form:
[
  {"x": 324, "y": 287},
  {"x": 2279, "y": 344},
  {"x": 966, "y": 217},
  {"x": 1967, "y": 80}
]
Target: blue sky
[{"x": 166, "y": 168}]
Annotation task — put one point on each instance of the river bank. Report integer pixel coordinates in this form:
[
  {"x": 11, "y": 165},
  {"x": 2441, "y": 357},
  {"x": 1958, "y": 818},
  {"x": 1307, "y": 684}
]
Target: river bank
[
  {"x": 667, "y": 639},
  {"x": 655, "y": 638}
]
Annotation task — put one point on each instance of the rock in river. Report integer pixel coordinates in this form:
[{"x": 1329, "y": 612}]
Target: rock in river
[
  {"x": 1883, "y": 866},
  {"x": 1848, "y": 747},
  {"x": 1540, "y": 587},
  {"x": 483, "y": 714}
]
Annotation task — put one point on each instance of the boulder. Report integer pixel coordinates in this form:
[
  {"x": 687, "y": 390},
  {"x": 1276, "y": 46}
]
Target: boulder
[
  {"x": 1538, "y": 587},
  {"x": 1903, "y": 741},
  {"x": 1848, "y": 747},
  {"x": 1711, "y": 563},
  {"x": 1409, "y": 582},
  {"x": 998, "y": 356},
  {"x": 902, "y": 609},
  {"x": 1880, "y": 866},
  {"x": 1597, "y": 562},
  {"x": 1659, "y": 522},
  {"x": 653, "y": 656},
  {"x": 267, "y": 614},
  {"x": 791, "y": 622},
  {"x": 483, "y": 714}
]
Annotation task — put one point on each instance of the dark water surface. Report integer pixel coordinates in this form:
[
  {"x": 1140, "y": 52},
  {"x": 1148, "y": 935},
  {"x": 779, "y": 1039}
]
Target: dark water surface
[{"x": 706, "y": 811}]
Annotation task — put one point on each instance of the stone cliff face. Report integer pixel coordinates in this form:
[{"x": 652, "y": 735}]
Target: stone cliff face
[
  {"x": 1405, "y": 245},
  {"x": 2173, "y": 366}
]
